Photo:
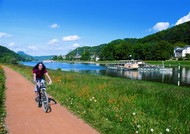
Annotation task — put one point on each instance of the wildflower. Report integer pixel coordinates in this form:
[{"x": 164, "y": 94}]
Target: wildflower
[
  {"x": 138, "y": 126},
  {"x": 90, "y": 99},
  {"x": 121, "y": 120},
  {"x": 152, "y": 130},
  {"x": 133, "y": 113},
  {"x": 167, "y": 130},
  {"x": 95, "y": 100},
  {"x": 136, "y": 132}
]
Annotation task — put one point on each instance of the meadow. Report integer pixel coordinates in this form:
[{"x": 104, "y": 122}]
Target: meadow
[
  {"x": 120, "y": 106},
  {"x": 2, "y": 102}
]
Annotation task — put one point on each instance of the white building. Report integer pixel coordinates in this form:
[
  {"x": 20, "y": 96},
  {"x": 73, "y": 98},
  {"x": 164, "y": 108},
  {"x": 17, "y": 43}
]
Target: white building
[{"x": 181, "y": 52}]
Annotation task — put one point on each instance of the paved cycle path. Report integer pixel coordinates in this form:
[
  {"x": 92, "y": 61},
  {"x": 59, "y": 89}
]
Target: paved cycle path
[{"x": 24, "y": 117}]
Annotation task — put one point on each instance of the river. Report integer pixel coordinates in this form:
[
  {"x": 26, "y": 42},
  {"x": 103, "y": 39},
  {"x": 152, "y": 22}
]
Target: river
[{"x": 176, "y": 77}]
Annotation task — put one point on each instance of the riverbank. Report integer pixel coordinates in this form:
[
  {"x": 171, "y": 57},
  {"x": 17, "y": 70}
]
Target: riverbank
[
  {"x": 116, "y": 105},
  {"x": 166, "y": 63}
]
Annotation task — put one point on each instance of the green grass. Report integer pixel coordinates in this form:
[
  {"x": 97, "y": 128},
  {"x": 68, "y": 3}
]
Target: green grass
[
  {"x": 116, "y": 105},
  {"x": 2, "y": 102}
]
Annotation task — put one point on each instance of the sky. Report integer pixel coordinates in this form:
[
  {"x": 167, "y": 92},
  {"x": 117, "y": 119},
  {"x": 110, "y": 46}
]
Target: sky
[{"x": 56, "y": 27}]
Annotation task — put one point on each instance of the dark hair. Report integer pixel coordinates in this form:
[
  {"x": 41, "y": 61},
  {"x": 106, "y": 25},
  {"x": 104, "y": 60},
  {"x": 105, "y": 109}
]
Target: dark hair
[{"x": 36, "y": 66}]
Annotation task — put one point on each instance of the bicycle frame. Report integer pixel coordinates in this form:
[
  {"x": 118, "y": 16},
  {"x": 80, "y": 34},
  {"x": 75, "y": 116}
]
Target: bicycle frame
[{"x": 43, "y": 96}]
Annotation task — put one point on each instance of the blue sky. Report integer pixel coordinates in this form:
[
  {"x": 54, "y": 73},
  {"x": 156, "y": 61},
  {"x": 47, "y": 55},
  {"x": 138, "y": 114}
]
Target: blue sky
[{"x": 54, "y": 27}]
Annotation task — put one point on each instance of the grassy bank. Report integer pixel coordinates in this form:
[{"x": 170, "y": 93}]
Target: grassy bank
[
  {"x": 2, "y": 102},
  {"x": 116, "y": 105}
]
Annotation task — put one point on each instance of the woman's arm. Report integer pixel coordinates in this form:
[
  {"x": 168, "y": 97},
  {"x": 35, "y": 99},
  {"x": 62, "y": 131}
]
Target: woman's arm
[
  {"x": 50, "y": 81},
  {"x": 34, "y": 77}
]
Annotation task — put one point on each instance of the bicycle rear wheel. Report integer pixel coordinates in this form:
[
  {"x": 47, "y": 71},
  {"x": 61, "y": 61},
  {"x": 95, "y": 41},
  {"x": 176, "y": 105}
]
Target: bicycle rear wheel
[{"x": 45, "y": 102}]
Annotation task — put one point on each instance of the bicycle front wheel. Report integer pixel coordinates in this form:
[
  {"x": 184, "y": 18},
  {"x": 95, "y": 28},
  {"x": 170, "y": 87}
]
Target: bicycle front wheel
[{"x": 45, "y": 102}]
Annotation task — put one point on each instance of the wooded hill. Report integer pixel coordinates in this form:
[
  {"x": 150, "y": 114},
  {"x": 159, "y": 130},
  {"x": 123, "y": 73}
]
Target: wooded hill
[
  {"x": 8, "y": 56},
  {"x": 158, "y": 46}
]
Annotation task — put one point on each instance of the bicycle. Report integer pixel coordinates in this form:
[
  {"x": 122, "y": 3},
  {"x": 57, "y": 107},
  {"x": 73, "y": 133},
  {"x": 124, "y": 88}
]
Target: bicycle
[{"x": 42, "y": 98}]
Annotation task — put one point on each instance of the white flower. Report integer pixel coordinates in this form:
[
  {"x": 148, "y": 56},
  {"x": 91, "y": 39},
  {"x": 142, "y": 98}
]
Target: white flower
[
  {"x": 92, "y": 97},
  {"x": 136, "y": 132},
  {"x": 133, "y": 113},
  {"x": 138, "y": 126},
  {"x": 167, "y": 130},
  {"x": 95, "y": 100},
  {"x": 152, "y": 130}
]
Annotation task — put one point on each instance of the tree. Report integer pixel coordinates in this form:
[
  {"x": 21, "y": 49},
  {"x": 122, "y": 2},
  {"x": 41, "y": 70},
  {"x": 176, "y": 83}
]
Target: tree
[
  {"x": 163, "y": 50},
  {"x": 85, "y": 56}
]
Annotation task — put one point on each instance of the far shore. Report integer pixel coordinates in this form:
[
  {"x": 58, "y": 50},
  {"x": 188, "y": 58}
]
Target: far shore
[{"x": 166, "y": 63}]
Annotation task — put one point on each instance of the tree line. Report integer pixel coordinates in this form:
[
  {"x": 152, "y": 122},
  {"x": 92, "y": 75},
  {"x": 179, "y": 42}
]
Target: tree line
[{"x": 158, "y": 46}]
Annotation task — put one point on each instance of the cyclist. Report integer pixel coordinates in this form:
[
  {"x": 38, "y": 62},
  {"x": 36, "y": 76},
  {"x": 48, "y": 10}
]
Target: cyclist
[{"x": 39, "y": 72}]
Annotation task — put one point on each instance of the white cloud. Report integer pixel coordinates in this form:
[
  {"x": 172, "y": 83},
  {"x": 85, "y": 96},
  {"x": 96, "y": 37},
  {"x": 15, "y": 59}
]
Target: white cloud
[
  {"x": 12, "y": 44},
  {"x": 183, "y": 19},
  {"x": 33, "y": 48},
  {"x": 2, "y": 35},
  {"x": 54, "y": 26},
  {"x": 161, "y": 26},
  {"x": 53, "y": 42},
  {"x": 76, "y": 45},
  {"x": 71, "y": 38}
]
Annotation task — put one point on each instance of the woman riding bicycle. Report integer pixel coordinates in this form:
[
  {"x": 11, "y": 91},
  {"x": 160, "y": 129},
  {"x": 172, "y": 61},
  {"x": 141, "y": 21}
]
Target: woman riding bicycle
[{"x": 38, "y": 75}]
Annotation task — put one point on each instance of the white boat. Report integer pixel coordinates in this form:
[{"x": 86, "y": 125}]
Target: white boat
[
  {"x": 131, "y": 65},
  {"x": 154, "y": 68},
  {"x": 48, "y": 61},
  {"x": 125, "y": 65},
  {"x": 114, "y": 67}
]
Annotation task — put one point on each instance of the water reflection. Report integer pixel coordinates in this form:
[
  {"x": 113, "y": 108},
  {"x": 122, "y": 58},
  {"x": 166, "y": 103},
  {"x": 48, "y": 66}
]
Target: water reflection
[
  {"x": 142, "y": 75},
  {"x": 170, "y": 77},
  {"x": 185, "y": 75}
]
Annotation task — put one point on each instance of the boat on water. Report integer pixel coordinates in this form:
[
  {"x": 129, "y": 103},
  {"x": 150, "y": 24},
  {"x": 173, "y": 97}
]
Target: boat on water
[
  {"x": 125, "y": 65},
  {"x": 115, "y": 66},
  {"x": 154, "y": 68},
  {"x": 48, "y": 61}
]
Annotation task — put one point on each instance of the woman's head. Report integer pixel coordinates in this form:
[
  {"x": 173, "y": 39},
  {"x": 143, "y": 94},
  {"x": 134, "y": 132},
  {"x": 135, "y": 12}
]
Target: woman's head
[{"x": 40, "y": 66}]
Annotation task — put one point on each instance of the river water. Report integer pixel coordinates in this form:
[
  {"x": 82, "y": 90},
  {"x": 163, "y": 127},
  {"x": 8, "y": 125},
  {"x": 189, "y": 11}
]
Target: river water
[{"x": 180, "y": 77}]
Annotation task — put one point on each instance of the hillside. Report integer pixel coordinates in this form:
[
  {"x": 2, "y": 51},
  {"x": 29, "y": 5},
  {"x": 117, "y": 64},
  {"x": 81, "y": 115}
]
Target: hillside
[
  {"x": 92, "y": 50},
  {"x": 8, "y": 56},
  {"x": 179, "y": 33},
  {"x": 158, "y": 46}
]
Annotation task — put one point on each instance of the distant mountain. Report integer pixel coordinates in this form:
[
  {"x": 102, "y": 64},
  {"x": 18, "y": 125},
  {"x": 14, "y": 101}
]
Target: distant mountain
[
  {"x": 25, "y": 56},
  {"x": 41, "y": 58},
  {"x": 9, "y": 56},
  {"x": 36, "y": 58}
]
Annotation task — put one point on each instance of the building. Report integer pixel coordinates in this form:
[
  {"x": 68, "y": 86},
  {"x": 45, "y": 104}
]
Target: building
[
  {"x": 181, "y": 52},
  {"x": 77, "y": 56}
]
